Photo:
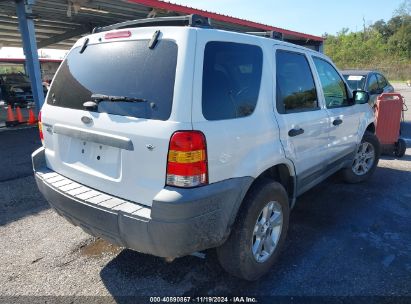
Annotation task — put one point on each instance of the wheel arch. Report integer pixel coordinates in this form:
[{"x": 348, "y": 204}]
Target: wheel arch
[
  {"x": 366, "y": 123},
  {"x": 371, "y": 128},
  {"x": 282, "y": 173}
]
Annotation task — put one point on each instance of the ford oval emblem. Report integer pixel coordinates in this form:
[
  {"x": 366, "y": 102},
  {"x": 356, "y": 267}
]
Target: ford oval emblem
[{"x": 86, "y": 120}]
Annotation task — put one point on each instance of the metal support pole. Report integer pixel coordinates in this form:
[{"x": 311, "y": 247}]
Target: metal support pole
[{"x": 28, "y": 35}]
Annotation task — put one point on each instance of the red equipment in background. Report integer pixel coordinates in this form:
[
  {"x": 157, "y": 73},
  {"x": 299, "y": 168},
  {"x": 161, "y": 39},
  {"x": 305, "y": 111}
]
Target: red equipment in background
[{"x": 388, "y": 112}]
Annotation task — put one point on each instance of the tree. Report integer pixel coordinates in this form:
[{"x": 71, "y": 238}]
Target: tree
[
  {"x": 384, "y": 45},
  {"x": 382, "y": 28},
  {"x": 404, "y": 9}
]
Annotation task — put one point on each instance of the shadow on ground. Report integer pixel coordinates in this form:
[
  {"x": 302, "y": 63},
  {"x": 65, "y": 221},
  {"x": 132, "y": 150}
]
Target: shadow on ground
[
  {"x": 19, "y": 199},
  {"x": 406, "y": 129},
  {"x": 15, "y": 152},
  {"x": 343, "y": 240},
  {"x": 19, "y": 196}
]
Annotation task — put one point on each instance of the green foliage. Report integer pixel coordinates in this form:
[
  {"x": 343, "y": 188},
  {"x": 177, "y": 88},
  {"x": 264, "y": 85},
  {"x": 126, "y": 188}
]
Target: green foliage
[
  {"x": 384, "y": 46},
  {"x": 11, "y": 68}
]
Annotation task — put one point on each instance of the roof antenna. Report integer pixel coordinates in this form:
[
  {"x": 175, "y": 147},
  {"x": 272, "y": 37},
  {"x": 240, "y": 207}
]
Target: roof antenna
[
  {"x": 153, "y": 42},
  {"x": 85, "y": 43}
]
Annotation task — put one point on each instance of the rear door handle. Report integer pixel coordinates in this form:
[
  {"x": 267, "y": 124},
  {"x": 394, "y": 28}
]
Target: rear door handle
[
  {"x": 295, "y": 132},
  {"x": 337, "y": 122}
]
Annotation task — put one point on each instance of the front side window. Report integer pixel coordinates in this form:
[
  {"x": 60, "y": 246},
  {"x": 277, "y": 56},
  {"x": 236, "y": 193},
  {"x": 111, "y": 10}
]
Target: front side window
[
  {"x": 335, "y": 92},
  {"x": 231, "y": 79},
  {"x": 372, "y": 84},
  {"x": 295, "y": 84}
]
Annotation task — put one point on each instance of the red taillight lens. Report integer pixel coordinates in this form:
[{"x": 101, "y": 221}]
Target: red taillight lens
[
  {"x": 40, "y": 128},
  {"x": 118, "y": 34},
  {"x": 187, "y": 160}
]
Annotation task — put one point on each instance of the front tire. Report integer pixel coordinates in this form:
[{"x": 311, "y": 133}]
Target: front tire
[
  {"x": 258, "y": 233},
  {"x": 365, "y": 160}
]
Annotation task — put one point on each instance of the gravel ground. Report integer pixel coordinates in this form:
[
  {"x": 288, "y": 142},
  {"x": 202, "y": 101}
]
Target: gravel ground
[{"x": 344, "y": 240}]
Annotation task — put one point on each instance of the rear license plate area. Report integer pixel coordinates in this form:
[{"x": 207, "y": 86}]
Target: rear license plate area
[{"x": 92, "y": 158}]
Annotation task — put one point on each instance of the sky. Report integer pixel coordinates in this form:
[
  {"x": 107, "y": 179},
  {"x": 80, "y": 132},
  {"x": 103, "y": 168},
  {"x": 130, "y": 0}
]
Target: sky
[{"x": 312, "y": 17}]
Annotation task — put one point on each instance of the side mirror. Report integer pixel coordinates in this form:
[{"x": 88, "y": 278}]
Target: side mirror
[{"x": 361, "y": 97}]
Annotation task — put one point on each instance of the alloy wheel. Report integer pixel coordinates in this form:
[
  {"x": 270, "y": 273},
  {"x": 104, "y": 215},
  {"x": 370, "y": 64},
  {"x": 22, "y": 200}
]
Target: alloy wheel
[
  {"x": 364, "y": 159},
  {"x": 267, "y": 231}
]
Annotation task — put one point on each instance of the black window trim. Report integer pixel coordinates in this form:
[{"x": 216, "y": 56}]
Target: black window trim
[
  {"x": 367, "y": 76},
  {"x": 347, "y": 90},
  {"x": 318, "y": 107}
]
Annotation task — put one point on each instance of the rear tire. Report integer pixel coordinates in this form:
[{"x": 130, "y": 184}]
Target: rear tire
[
  {"x": 365, "y": 161},
  {"x": 400, "y": 148},
  {"x": 258, "y": 233}
]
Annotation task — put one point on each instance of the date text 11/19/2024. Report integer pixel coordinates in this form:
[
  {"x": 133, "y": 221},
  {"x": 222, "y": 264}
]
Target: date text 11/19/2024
[{"x": 203, "y": 299}]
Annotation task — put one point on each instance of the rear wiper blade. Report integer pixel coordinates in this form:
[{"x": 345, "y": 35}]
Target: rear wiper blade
[
  {"x": 95, "y": 99},
  {"x": 103, "y": 97}
]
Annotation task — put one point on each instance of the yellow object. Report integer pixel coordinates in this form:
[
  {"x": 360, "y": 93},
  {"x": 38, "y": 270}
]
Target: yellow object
[{"x": 186, "y": 157}]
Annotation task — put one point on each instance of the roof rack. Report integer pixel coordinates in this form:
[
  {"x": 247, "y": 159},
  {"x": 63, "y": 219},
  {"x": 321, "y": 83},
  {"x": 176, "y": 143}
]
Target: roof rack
[
  {"x": 189, "y": 20},
  {"x": 268, "y": 34}
]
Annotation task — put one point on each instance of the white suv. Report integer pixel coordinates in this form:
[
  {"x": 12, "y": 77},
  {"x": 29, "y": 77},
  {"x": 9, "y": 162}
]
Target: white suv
[{"x": 174, "y": 139}]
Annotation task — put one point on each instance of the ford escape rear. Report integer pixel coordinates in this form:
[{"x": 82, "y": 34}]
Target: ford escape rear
[{"x": 170, "y": 140}]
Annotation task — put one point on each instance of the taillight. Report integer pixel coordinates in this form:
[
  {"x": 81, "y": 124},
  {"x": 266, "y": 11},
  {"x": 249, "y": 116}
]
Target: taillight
[
  {"x": 41, "y": 129},
  {"x": 187, "y": 160}
]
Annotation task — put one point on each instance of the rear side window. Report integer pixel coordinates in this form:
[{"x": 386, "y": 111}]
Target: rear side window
[
  {"x": 231, "y": 79},
  {"x": 295, "y": 84},
  {"x": 382, "y": 82},
  {"x": 126, "y": 68},
  {"x": 335, "y": 92}
]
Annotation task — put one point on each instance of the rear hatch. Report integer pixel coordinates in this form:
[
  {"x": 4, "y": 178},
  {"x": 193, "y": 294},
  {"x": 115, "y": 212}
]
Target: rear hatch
[{"x": 121, "y": 146}]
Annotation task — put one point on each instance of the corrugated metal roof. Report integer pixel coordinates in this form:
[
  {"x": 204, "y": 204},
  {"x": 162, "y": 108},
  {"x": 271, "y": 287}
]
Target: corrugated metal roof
[{"x": 59, "y": 25}]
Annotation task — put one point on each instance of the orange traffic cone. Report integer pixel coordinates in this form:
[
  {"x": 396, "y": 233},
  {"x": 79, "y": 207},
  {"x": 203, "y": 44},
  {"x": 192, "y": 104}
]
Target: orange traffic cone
[
  {"x": 11, "y": 120},
  {"x": 32, "y": 118},
  {"x": 19, "y": 115}
]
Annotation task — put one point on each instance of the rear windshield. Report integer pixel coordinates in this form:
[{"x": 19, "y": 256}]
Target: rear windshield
[
  {"x": 356, "y": 82},
  {"x": 127, "y": 68}
]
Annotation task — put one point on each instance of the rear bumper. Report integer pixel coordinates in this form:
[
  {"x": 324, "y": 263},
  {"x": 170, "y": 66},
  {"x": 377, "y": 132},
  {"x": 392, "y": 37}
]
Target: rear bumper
[{"x": 179, "y": 222}]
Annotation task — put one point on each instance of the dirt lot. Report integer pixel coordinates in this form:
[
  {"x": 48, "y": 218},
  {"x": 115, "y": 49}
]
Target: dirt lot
[{"x": 344, "y": 240}]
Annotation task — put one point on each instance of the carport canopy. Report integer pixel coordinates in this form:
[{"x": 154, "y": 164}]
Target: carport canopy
[{"x": 57, "y": 24}]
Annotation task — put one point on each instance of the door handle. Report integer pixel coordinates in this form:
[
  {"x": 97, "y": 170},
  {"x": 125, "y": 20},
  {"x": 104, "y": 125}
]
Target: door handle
[
  {"x": 295, "y": 132},
  {"x": 337, "y": 122}
]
